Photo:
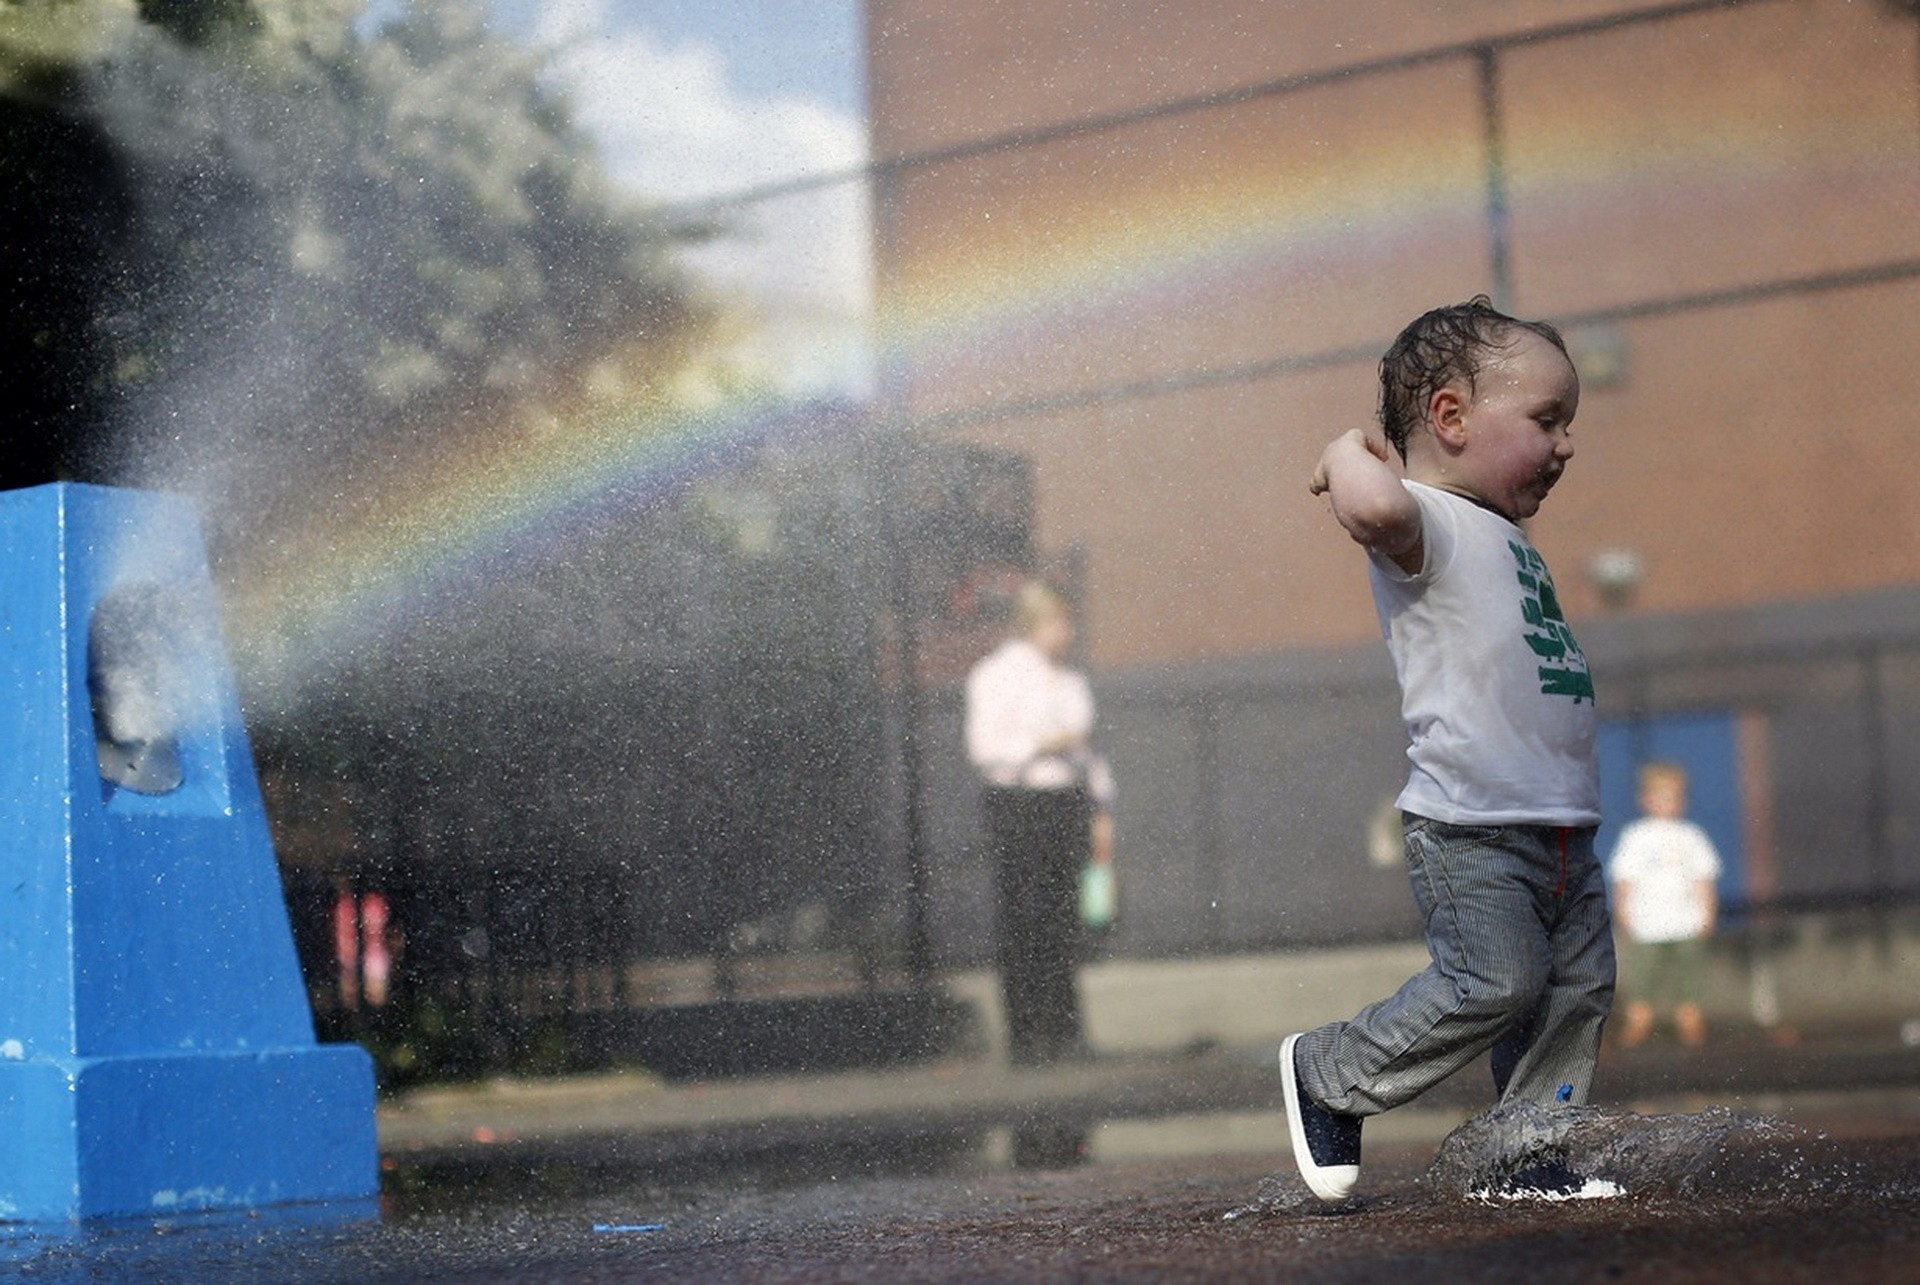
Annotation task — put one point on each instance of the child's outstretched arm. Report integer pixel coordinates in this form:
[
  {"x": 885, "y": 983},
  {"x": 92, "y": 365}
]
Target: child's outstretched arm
[{"x": 1368, "y": 498}]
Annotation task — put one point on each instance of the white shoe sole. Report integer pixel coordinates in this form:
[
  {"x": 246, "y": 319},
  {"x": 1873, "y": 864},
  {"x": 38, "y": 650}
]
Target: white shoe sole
[{"x": 1332, "y": 1183}]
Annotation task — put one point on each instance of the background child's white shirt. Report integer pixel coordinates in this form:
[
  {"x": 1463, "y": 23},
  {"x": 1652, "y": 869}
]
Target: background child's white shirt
[
  {"x": 1495, "y": 694},
  {"x": 1663, "y": 861}
]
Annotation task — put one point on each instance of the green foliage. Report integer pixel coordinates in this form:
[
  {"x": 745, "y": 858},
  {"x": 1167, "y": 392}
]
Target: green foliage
[
  {"x": 197, "y": 21},
  {"x": 252, "y": 226}
]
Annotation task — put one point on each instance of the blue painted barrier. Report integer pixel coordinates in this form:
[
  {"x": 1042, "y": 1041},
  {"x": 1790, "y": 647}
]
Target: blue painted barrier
[{"x": 157, "y": 1054}]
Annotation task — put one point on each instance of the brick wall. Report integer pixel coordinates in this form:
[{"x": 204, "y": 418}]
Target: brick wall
[{"x": 1721, "y": 202}]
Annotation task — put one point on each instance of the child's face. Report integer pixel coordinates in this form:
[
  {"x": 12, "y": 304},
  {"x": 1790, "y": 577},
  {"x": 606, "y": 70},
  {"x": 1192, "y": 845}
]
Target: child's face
[
  {"x": 1514, "y": 441},
  {"x": 1664, "y": 797}
]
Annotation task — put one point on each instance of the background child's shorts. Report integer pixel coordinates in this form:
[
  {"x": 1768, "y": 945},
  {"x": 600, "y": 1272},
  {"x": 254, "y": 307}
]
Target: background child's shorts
[{"x": 1663, "y": 972}]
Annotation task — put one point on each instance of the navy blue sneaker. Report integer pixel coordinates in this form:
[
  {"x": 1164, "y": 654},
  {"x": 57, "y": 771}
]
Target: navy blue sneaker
[{"x": 1326, "y": 1145}]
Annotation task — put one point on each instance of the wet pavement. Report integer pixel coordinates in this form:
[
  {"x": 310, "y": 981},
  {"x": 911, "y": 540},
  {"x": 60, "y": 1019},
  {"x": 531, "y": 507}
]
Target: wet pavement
[{"x": 1123, "y": 1169}]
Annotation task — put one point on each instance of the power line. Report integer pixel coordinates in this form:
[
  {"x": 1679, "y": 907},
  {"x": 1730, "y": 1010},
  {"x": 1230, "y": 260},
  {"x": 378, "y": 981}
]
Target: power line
[
  {"x": 1484, "y": 52},
  {"x": 1211, "y": 100}
]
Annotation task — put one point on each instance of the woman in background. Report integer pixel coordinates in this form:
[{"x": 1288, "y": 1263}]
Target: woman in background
[{"x": 1029, "y": 724}]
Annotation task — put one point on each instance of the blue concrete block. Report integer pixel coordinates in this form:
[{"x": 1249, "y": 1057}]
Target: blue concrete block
[{"x": 156, "y": 1049}]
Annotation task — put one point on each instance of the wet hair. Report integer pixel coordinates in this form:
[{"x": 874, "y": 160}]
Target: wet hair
[{"x": 1441, "y": 347}]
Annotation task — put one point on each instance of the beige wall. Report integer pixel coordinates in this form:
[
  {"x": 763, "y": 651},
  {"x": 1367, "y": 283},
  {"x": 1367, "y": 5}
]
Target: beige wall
[{"x": 1146, "y": 276}]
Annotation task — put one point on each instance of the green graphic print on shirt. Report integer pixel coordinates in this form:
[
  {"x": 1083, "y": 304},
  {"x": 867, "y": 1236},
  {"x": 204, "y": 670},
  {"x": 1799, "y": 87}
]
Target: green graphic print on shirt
[{"x": 1563, "y": 666}]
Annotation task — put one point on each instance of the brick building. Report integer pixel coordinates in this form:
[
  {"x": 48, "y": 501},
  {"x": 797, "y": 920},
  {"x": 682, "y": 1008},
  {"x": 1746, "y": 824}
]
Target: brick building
[{"x": 1155, "y": 250}]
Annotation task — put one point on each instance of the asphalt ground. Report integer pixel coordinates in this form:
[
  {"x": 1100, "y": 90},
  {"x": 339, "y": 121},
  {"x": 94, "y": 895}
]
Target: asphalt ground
[{"x": 1123, "y": 1169}]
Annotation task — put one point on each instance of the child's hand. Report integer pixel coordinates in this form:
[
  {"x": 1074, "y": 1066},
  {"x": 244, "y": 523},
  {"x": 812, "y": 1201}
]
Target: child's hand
[
  {"x": 1341, "y": 445},
  {"x": 1102, "y": 846}
]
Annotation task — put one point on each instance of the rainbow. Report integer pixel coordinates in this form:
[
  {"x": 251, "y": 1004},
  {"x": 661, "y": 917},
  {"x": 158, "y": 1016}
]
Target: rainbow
[
  {"x": 1152, "y": 248},
  {"x": 478, "y": 515},
  {"x": 990, "y": 291}
]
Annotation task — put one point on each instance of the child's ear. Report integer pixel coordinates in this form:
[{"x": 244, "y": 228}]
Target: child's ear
[{"x": 1447, "y": 416}]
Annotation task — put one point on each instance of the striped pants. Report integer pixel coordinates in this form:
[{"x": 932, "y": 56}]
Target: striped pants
[{"x": 1522, "y": 950}]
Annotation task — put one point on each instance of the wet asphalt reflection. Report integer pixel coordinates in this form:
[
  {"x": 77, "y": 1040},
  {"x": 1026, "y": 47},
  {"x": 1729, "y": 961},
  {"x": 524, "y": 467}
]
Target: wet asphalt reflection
[{"x": 1813, "y": 1182}]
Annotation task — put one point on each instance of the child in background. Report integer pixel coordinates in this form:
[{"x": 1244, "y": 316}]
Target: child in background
[
  {"x": 1499, "y": 811},
  {"x": 1664, "y": 868}
]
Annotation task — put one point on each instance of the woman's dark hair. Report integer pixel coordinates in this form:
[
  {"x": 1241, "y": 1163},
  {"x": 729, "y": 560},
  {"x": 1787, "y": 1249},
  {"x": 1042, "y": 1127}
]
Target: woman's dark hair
[{"x": 1438, "y": 348}]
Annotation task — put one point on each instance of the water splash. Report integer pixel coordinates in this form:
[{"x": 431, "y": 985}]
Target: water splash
[
  {"x": 1277, "y": 1195},
  {"x": 1526, "y": 1151}
]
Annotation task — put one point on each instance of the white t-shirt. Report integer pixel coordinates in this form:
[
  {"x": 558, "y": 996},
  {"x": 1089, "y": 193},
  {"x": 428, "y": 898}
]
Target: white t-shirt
[
  {"x": 1494, "y": 691},
  {"x": 1019, "y": 700},
  {"x": 1663, "y": 862}
]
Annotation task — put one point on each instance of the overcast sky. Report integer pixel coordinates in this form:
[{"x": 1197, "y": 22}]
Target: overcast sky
[
  {"x": 695, "y": 98},
  {"x": 691, "y": 99},
  {"x": 771, "y": 48}
]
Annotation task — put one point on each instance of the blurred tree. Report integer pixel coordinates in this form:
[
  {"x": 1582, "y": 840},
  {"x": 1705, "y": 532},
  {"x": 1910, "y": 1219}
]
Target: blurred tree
[
  {"x": 247, "y": 229},
  {"x": 196, "y": 21},
  {"x": 54, "y": 249}
]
